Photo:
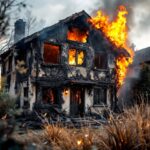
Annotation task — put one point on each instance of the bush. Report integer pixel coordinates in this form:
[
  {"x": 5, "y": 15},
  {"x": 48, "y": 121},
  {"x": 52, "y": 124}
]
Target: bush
[{"x": 7, "y": 103}]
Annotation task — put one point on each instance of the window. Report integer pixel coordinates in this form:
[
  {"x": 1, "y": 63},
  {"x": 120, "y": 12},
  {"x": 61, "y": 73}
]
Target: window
[
  {"x": 111, "y": 61},
  {"x": 100, "y": 61},
  {"x": 99, "y": 96},
  {"x": 50, "y": 96},
  {"x": 75, "y": 34},
  {"x": 76, "y": 57},
  {"x": 51, "y": 54},
  {"x": 26, "y": 92}
]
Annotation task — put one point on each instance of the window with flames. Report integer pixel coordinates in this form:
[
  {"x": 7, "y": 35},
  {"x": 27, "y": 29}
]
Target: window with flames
[
  {"x": 76, "y": 57},
  {"x": 77, "y": 35}
]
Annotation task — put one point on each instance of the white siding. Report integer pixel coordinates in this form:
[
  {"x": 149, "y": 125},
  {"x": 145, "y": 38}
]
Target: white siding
[
  {"x": 66, "y": 99},
  {"x": 88, "y": 99}
]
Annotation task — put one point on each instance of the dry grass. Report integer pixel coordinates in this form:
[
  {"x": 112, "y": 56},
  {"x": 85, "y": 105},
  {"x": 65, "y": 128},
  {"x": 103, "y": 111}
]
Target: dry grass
[
  {"x": 127, "y": 131},
  {"x": 130, "y": 130},
  {"x": 69, "y": 139}
]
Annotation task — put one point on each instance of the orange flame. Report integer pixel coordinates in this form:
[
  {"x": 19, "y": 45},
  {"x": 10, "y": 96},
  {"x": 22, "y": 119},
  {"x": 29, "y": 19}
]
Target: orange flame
[
  {"x": 117, "y": 32},
  {"x": 76, "y": 57},
  {"x": 76, "y": 34}
]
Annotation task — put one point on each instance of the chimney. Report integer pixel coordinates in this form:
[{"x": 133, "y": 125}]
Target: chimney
[{"x": 19, "y": 30}]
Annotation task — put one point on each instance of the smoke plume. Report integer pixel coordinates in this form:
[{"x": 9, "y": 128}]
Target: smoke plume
[{"x": 136, "y": 8}]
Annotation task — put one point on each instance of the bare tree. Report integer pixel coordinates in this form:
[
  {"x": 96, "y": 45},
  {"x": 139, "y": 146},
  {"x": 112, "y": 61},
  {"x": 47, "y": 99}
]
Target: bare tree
[
  {"x": 6, "y": 7},
  {"x": 32, "y": 23}
]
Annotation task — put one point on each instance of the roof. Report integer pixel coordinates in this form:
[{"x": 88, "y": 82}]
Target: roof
[
  {"x": 142, "y": 56},
  {"x": 76, "y": 15},
  {"x": 47, "y": 29}
]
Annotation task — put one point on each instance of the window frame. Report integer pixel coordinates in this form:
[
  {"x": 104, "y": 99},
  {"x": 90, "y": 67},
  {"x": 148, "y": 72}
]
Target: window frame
[
  {"x": 79, "y": 30},
  {"x": 101, "y": 54},
  {"x": 76, "y": 57},
  {"x": 100, "y": 102},
  {"x": 60, "y": 49}
]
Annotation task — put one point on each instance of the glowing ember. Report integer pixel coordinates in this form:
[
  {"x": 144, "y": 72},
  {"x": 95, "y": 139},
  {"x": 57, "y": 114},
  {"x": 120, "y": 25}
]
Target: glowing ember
[
  {"x": 66, "y": 92},
  {"x": 79, "y": 142},
  {"x": 76, "y": 57},
  {"x": 117, "y": 32},
  {"x": 76, "y": 34}
]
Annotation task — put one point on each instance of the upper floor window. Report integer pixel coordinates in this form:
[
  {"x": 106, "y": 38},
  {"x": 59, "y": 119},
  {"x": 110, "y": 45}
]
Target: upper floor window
[
  {"x": 111, "y": 61},
  {"x": 76, "y": 57},
  {"x": 75, "y": 34},
  {"x": 51, "y": 54},
  {"x": 100, "y": 61}
]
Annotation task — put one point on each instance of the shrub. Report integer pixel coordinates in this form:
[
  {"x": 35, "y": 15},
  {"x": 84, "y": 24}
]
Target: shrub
[{"x": 7, "y": 103}]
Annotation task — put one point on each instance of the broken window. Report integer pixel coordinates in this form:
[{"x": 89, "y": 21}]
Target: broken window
[
  {"x": 99, "y": 96},
  {"x": 51, "y": 54},
  {"x": 100, "y": 61},
  {"x": 50, "y": 96},
  {"x": 76, "y": 57},
  {"x": 75, "y": 34}
]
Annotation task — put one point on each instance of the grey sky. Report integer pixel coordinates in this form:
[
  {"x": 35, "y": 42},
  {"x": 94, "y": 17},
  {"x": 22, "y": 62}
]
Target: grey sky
[{"x": 139, "y": 19}]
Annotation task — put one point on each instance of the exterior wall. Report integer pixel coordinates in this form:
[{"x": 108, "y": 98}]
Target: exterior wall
[
  {"x": 88, "y": 99},
  {"x": 66, "y": 99},
  {"x": 108, "y": 97},
  {"x": 21, "y": 96},
  {"x": 77, "y": 71},
  {"x": 12, "y": 85},
  {"x": 32, "y": 96},
  {"x": 13, "y": 79},
  {"x": 6, "y": 66}
]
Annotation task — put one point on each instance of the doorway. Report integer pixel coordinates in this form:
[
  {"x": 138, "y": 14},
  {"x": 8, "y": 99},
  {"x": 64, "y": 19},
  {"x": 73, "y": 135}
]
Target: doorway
[{"x": 77, "y": 101}]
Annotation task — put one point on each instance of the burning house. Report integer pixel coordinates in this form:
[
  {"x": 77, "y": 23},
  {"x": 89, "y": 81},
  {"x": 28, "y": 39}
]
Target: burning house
[{"x": 70, "y": 64}]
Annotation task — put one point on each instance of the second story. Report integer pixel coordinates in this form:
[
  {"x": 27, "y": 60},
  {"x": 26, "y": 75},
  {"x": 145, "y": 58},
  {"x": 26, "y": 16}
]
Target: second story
[{"x": 68, "y": 50}]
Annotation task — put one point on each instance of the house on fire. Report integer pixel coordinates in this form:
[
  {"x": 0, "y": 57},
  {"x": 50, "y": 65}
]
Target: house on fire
[{"x": 69, "y": 64}]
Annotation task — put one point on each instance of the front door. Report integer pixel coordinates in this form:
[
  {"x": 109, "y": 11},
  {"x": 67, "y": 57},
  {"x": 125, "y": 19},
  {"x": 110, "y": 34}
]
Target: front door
[{"x": 77, "y": 101}]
